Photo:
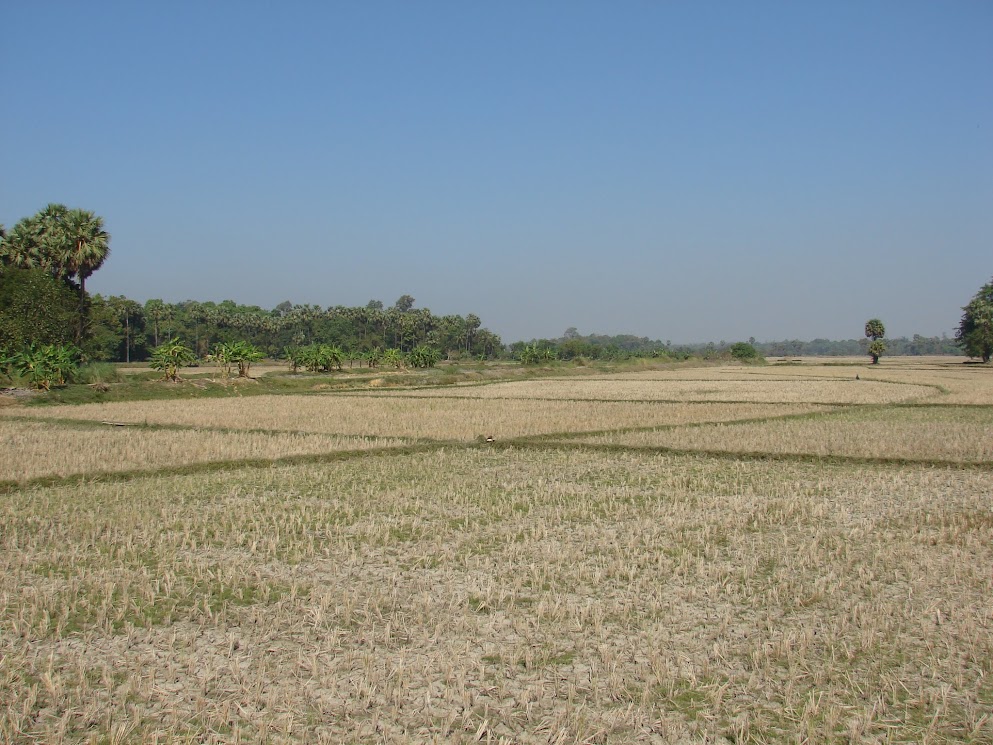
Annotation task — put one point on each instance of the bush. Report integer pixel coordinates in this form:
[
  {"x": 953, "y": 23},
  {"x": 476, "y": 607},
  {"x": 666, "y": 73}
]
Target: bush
[
  {"x": 169, "y": 357},
  {"x": 98, "y": 372},
  {"x": 35, "y": 308},
  {"x": 744, "y": 352},
  {"x": 240, "y": 353},
  {"x": 423, "y": 356},
  {"x": 43, "y": 366},
  {"x": 316, "y": 357},
  {"x": 532, "y": 354}
]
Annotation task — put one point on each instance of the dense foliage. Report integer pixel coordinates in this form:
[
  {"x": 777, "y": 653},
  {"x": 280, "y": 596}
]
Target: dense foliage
[
  {"x": 169, "y": 357},
  {"x": 913, "y": 346},
  {"x": 123, "y": 329},
  {"x": 46, "y": 259},
  {"x": 35, "y": 308},
  {"x": 744, "y": 351},
  {"x": 68, "y": 244},
  {"x": 43, "y": 366},
  {"x": 875, "y": 330},
  {"x": 236, "y": 353},
  {"x": 975, "y": 331}
]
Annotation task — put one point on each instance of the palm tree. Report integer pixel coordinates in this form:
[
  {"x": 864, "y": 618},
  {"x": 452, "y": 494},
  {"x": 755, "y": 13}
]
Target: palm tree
[
  {"x": 22, "y": 246},
  {"x": 156, "y": 310},
  {"x": 71, "y": 244},
  {"x": 472, "y": 322},
  {"x": 125, "y": 310}
]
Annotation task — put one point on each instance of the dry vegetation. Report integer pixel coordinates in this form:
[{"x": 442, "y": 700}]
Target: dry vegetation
[
  {"x": 919, "y": 433},
  {"x": 398, "y": 416},
  {"x": 951, "y": 380},
  {"x": 521, "y": 592},
  {"x": 669, "y": 387},
  {"x": 40, "y": 449}
]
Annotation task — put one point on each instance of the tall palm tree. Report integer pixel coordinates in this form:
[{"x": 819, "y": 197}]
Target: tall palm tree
[
  {"x": 156, "y": 310},
  {"x": 22, "y": 246},
  {"x": 86, "y": 245}
]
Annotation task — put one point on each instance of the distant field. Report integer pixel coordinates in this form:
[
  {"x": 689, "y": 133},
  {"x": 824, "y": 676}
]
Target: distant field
[
  {"x": 920, "y": 433},
  {"x": 666, "y": 387},
  {"x": 398, "y": 416},
  {"x": 45, "y": 450},
  {"x": 343, "y": 567}
]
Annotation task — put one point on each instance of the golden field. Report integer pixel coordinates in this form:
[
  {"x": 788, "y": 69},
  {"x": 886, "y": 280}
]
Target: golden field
[
  {"x": 398, "y": 416},
  {"x": 573, "y": 582},
  {"x": 38, "y": 449},
  {"x": 919, "y": 433},
  {"x": 667, "y": 388}
]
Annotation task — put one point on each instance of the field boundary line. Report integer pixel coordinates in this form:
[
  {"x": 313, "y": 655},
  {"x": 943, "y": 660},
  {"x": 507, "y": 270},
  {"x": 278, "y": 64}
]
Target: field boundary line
[
  {"x": 168, "y": 427},
  {"x": 711, "y": 402},
  {"x": 559, "y": 436},
  {"x": 750, "y": 455},
  {"x": 8, "y": 486}
]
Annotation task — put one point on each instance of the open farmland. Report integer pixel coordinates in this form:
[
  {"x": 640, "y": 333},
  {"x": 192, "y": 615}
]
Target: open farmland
[
  {"x": 920, "y": 433},
  {"x": 436, "y": 418},
  {"x": 37, "y": 449},
  {"x": 341, "y": 567},
  {"x": 664, "y": 388}
]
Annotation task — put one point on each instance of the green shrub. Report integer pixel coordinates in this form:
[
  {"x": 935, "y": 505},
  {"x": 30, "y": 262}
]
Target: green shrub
[
  {"x": 43, "y": 366},
  {"x": 35, "y": 308},
  {"x": 98, "y": 372},
  {"x": 240, "y": 353},
  {"x": 423, "y": 356},
  {"x": 744, "y": 351},
  {"x": 169, "y": 357}
]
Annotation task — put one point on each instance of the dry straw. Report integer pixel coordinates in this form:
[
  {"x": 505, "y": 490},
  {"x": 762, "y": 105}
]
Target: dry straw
[
  {"x": 396, "y": 416},
  {"x": 922, "y": 433},
  {"x": 468, "y": 595},
  {"x": 34, "y": 449},
  {"x": 664, "y": 387}
]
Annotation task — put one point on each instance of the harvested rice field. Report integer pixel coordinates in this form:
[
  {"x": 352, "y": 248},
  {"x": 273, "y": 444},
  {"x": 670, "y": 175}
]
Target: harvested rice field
[
  {"x": 919, "y": 433},
  {"x": 619, "y": 565},
  {"x": 38, "y": 449},
  {"x": 663, "y": 388},
  {"x": 437, "y": 418}
]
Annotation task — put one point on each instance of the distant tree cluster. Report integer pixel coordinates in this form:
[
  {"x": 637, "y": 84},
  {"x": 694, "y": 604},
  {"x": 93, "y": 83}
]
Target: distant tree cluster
[
  {"x": 572, "y": 345},
  {"x": 913, "y": 346},
  {"x": 47, "y": 320},
  {"x": 46, "y": 259},
  {"x": 126, "y": 330}
]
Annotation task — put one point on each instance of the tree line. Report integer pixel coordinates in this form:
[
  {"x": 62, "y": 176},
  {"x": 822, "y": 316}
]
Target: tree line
[
  {"x": 45, "y": 260},
  {"x": 572, "y": 345},
  {"x": 125, "y": 330}
]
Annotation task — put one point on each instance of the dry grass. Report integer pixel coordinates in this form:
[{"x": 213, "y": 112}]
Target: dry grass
[
  {"x": 525, "y": 595},
  {"x": 706, "y": 386},
  {"x": 35, "y": 449},
  {"x": 924, "y": 433},
  {"x": 506, "y": 594},
  {"x": 397, "y": 416},
  {"x": 950, "y": 379}
]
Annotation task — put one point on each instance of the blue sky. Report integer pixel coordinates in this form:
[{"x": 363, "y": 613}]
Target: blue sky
[{"x": 690, "y": 171}]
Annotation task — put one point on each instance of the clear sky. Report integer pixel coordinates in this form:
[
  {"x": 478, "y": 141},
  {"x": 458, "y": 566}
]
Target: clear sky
[{"x": 690, "y": 171}]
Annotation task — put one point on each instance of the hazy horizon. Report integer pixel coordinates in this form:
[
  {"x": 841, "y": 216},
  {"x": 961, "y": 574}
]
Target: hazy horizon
[{"x": 683, "y": 171}]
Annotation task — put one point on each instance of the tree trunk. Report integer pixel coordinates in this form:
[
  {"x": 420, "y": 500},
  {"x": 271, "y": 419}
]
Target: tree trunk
[{"x": 81, "y": 326}]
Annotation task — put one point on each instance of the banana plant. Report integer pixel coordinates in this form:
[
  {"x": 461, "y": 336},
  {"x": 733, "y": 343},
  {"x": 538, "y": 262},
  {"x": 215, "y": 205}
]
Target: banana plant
[
  {"x": 374, "y": 357},
  {"x": 169, "y": 357},
  {"x": 423, "y": 356},
  {"x": 393, "y": 357},
  {"x": 240, "y": 353},
  {"x": 45, "y": 366}
]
